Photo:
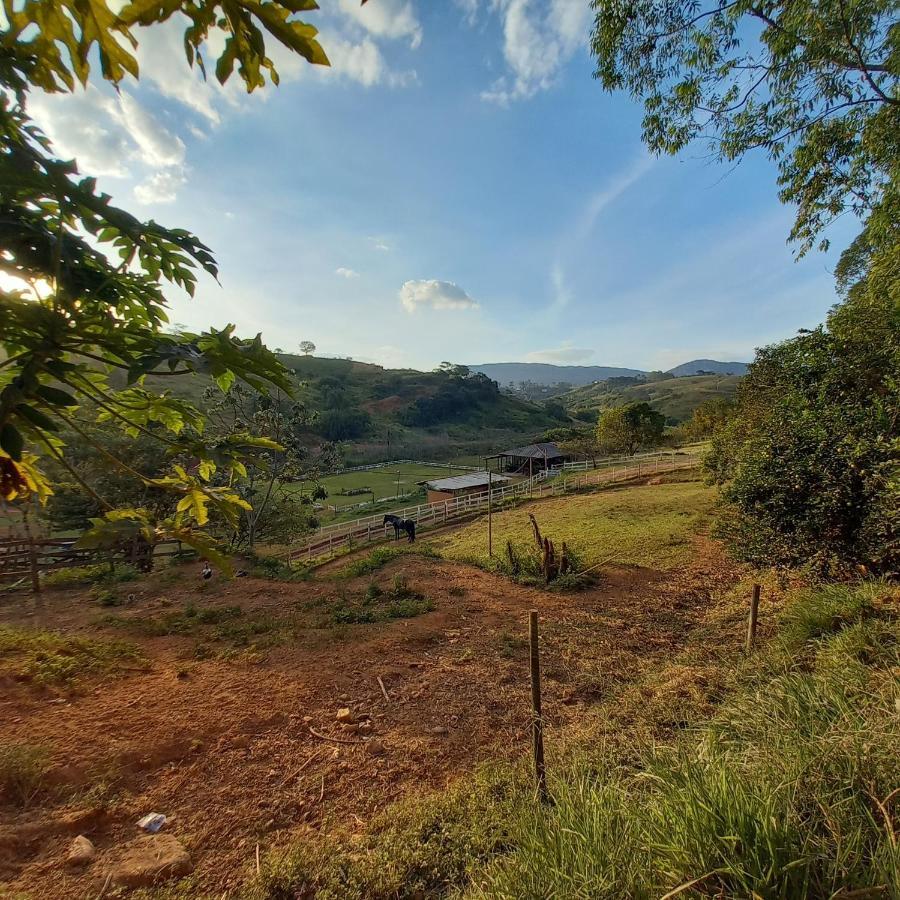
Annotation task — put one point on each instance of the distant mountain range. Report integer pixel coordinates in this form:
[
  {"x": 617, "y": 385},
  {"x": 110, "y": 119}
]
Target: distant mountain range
[
  {"x": 545, "y": 373},
  {"x": 696, "y": 366}
]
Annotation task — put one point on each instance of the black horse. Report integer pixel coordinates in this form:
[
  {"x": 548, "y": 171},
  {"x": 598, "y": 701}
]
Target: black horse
[{"x": 399, "y": 524}]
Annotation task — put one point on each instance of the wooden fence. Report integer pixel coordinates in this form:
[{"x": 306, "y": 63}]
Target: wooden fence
[
  {"x": 22, "y": 558},
  {"x": 332, "y": 539}
]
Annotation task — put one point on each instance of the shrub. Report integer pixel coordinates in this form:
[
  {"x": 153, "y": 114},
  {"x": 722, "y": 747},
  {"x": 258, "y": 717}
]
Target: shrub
[
  {"x": 93, "y": 574},
  {"x": 808, "y": 461}
]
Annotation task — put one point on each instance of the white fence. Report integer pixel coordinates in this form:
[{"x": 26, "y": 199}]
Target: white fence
[
  {"x": 331, "y": 539},
  {"x": 402, "y": 462}
]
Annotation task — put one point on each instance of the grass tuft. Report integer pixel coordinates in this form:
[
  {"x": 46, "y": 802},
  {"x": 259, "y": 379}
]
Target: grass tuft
[
  {"x": 381, "y": 556},
  {"x": 96, "y": 574},
  {"x": 23, "y": 768},
  {"x": 48, "y": 657},
  {"x": 380, "y": 604}
]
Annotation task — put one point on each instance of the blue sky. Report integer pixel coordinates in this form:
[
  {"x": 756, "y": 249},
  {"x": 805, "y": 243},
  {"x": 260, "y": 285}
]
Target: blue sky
[{"x": 458, "y": 188}]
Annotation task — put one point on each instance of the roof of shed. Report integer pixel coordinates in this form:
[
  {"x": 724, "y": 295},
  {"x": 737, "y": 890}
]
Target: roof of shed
[
  {"x": 536, "y": 451},
  {"x": 461, "y": 482}
]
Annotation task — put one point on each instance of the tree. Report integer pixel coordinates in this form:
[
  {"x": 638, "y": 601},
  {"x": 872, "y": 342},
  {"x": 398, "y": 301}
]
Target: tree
[
  {"x": 94, "y": 277},
  {"x": 271, "y": 426},
  {"x": 583, "y": 443},
  {"x": 808, "y": 462},
  {"x": 307, "y": 348},
  {"x": 625, "y": 429},
  {"x": 814, "y": 84},
  {"x": 708, "y": 416}
]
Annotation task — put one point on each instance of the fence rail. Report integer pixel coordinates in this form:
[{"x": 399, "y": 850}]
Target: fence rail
[
  {"x": 329, "y": 539},
  {"x": 23, "y": 557}
]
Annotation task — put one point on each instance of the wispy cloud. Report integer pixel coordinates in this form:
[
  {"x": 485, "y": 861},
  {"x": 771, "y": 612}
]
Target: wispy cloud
[
  {"x": 584, "y": 223},
  {"x": 344, "y": 272},
  {"x": 566, "y": 354},
  {"x": 379, "y": 243}
]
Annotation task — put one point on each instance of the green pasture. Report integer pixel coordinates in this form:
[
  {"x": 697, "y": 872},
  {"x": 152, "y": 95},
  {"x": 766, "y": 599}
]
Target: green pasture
[
  {"x": 644, "y": 525},
  {"x": 386, "y": 483}
]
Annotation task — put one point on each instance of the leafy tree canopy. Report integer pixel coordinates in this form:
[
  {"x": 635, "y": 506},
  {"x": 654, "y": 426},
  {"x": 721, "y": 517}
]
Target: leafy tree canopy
[
  {"x": 95, "y": 276},
  {"x": 625, "y": 429},
  {"x": 808, "y": 461},
  {"x": 814, "y": 84}
]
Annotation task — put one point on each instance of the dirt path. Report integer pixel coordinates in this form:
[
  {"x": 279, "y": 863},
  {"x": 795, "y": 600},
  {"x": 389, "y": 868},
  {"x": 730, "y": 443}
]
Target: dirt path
[{"x": 226, "y": 748}]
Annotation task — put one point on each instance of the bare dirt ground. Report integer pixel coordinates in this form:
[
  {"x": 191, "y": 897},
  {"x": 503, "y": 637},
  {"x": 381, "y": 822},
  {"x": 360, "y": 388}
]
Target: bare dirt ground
[{"x": 226, "y": 749}]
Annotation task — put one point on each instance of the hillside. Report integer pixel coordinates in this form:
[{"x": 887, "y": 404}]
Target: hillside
[
  {"x": 709, "y": 365},
  {"x": 675, "y": 398},
  {"x": 547, "y": 374},
  {"x": 380, "y": 413}
]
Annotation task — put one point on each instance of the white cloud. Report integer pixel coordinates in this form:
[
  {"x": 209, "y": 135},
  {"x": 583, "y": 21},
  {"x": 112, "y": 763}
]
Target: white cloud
[
  {"x": 346, "y": 273},
  {"x": 436, "y": 294},
  {"x": 386, "y": 18},
  {"x": 362, "y": 62},
  {"x": 156, "y": 145},
  {"x": 379, "y": 243},
  {"x": 161, "y": 58},
  {"x": 539, "y": 38},
  {"x": 84, "y": 125},
  {"x": 161, "y": 187},
  {"x": 113, "y": 135},
  {"x": 566, "y": 354}
]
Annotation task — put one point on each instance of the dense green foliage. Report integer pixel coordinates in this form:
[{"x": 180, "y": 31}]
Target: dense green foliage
[
  {"x": 94, "y": 277},
  {"x": 627, "y": 429},
  {"x": 458, "y": 393},
  {"x": 809, "y": 462}
]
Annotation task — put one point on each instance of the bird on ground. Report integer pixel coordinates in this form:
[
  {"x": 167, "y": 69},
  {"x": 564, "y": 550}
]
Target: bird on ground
[{"x": 207, "y": 572}]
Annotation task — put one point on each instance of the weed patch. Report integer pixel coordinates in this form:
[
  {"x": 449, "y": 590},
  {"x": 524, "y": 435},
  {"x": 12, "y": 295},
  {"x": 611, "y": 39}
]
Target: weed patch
[
  {"x": 22, "y": 771},
  {"x": 378, "y": 604},
  {"x": 228, "y": 624},
  {"x": 48, "y": 657}
]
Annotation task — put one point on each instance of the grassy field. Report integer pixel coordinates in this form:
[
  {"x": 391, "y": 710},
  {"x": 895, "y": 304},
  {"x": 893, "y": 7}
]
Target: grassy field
[
  {"x": 648, "y": 525},
  {"x": 385, "y": 483}
]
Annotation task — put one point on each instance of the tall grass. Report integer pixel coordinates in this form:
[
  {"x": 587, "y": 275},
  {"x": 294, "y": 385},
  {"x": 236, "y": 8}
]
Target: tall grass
[{"x": 787, "y": 793}]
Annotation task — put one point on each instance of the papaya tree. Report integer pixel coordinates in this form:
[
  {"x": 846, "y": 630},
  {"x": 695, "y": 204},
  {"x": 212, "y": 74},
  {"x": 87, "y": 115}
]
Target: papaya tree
[{"x": 85, "y": 324}]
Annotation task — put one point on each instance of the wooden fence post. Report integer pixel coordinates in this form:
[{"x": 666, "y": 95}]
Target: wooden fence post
[
  {"x": 33, "y": 563},
  {"x": 754, "y": 616},
  {"x": 537, "y": 721}
]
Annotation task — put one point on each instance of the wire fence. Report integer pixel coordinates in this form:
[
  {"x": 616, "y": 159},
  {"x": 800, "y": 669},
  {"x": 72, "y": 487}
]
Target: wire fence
[{"x": 332, "y": 539}]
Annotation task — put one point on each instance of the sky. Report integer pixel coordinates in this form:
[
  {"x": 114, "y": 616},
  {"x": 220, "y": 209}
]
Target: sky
[{"x": 456, "y": 187}]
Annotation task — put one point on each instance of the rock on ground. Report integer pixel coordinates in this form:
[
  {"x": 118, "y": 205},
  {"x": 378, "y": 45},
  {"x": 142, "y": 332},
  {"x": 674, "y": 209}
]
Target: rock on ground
[
  {"x": 149, "y": 859},
  {"x": 81, "y": 851}
]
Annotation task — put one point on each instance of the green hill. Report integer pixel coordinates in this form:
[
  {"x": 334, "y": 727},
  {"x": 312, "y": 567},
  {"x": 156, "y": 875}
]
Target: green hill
[
  {"x": 675, "y": 398},
  {"x": 379, "y": 413}
]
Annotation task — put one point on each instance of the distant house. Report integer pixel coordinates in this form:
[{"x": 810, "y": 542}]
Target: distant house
[
  {"x": 531, "y": 458},
  {"x": 460, "y": 485}
]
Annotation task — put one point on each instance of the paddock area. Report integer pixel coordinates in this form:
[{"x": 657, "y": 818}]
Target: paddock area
[{"x": 251, "y": 712}]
